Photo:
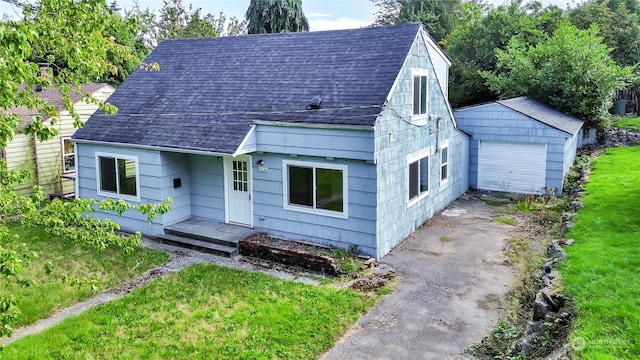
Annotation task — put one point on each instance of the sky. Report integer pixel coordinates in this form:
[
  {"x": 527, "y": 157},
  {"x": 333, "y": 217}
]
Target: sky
[{"x": 322, "y": 14}]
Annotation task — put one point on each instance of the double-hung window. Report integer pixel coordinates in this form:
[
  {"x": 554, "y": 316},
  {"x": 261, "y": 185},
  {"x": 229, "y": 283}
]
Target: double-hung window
[
  {"x": 68, "y": 156},
  {"x": 317, "y": 188},
  {"x": 117, "y": 176},
  {"x": 444, "y": 164},
  {"x": 420, "y": 94},
  {"x": 418, "y": 178}
]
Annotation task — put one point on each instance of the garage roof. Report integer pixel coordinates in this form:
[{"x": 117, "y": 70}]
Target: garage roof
[{"x": 543, "y": 113}]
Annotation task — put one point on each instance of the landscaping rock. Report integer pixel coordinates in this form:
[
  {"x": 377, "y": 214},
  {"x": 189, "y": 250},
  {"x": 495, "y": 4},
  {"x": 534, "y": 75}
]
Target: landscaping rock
[
  {"x": 619, "y": 137},
  {"x": 549, "y": 313},
  {"x": 539, "y": 307}
]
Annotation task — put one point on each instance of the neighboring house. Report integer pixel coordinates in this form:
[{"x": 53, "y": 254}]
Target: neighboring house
[
  {"x": 519, "y": 145},
  {"x": 51, "y": 163},
  {"x": 341, "y": 138}
]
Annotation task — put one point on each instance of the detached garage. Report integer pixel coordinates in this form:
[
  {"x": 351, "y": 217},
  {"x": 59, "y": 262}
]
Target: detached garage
[{"x": 519, "y": 145}]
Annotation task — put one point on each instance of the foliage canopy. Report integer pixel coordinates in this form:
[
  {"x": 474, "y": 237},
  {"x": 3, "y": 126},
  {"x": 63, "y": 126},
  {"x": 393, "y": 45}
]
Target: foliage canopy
[
  {"x": 276, "y": 16},
  {"x": 570, "y": 70}
]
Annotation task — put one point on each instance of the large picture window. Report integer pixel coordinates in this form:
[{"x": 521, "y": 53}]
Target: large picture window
[
  {"x": 418, "y": 178},
  {"x": 117, "y": 175},
  {"x": 419, "y": 95},
  {"x": 315, "y": 187},
  {"x": 68, "y": 156}
]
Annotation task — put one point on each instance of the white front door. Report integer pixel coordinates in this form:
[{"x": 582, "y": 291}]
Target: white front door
[{"x": 239, "y": 204}]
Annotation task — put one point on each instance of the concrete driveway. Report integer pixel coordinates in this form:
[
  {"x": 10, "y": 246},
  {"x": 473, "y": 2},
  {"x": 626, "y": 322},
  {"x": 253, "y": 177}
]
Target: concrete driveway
[{"x": 449, "y": 292}]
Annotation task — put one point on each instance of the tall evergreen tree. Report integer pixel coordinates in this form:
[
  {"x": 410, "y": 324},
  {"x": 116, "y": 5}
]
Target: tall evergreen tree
[{"x": 276, "y": 16}]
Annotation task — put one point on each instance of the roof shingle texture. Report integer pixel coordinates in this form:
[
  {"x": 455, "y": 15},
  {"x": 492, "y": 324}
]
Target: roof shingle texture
[
  {"x": 209, "y": 91},
  {"x": 543, "y": 113}
]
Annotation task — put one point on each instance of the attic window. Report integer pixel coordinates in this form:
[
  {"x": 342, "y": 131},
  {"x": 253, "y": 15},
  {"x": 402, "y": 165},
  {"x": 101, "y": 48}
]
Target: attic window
[
  {"x": 419, "y": 95},
  {"x": 315, "y": 103}
]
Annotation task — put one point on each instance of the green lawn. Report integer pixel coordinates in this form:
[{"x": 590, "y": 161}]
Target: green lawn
[
  {"x": 78, "y": 272},
  {"x": 603, "y": 266},
  {"x": 627, "y": 123},
  {"x": 205, "y": 312}
]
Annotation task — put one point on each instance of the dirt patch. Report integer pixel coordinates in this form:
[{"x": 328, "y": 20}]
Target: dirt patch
[
  {"x": 377, "y": 277},
  {"x": 491, "y": 302}
]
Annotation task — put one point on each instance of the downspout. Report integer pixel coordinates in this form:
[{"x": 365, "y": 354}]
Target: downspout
[
  {"x": 35, "y": 158},
  {"x": 76, "y": 185}
]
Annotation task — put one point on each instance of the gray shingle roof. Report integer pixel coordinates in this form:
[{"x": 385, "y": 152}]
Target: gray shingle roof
[
  {"x": 209, "y": 91},
  {"x": 543, "y": 113}
]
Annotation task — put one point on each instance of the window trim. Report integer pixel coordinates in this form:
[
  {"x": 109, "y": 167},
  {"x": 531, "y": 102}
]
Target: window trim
[
  {"x": 313, "y": 210},
  {"x": 116, "y": 194},
  {"x": 442, "y": 146},
  {"x": 411, "y": 160},
  {"x": 414, "y": 74},
  {"x": 63, "y": 154}
]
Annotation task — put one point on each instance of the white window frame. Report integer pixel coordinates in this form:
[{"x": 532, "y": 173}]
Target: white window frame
[
  {"x": 313, "y": 210},
  {"x": 117, "y": 194},
  {"x": 64, "y": 155},
  {"x": 420, "y": 74},
  {"x": 444, "y": 145},
  {"x": 422, "y": 195}
]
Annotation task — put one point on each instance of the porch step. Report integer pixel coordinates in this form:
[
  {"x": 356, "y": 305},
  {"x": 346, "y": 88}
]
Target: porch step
[
  {"x": 199, "y": 245},
  {"x": 209, "y": 235}
]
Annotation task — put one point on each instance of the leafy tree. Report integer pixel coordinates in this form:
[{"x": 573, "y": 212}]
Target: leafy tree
[
  {"x": 276, "y": 16},
  {"x": 438, "y": 17},
  {"x": 473, "y": 43},
  {"x": 177, "y": 22},
  {"x": 619, "y": 24},
  {"x": 571, "y": 70},
  {"x": 126, "y": 31},
  {"x": 55, "y": 32}
]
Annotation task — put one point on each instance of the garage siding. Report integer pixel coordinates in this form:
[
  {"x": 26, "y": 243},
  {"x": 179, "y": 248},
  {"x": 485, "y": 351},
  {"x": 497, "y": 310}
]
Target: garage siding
[
  {"x": 512, "y": 167},
  {"x": 497, "y": 123}
]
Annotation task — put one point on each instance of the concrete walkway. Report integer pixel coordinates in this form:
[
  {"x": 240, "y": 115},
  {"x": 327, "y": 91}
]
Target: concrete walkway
[{"x": 449, "y": 293}]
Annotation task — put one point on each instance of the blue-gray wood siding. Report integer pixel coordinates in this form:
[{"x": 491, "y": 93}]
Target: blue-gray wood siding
[
  {"x": 207, "y": 187},
  {"x": 322, "y": 142},
  {"x": 495, "y": 122},
  {"x": 156, "y": 173},
  {"x": 358, "y": 229},
  {"x": 397, "y": 140}
]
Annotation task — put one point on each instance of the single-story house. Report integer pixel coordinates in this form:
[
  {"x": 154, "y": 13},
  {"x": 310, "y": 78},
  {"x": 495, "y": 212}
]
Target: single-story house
[
  {"x": 341, "y": 138},
  {"x": 519, "y": 145},
  {"x": 51, "y": 162}
]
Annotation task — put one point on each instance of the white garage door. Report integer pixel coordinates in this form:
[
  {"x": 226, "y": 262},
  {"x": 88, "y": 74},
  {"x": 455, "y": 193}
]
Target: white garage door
[{"x": 512, "y": 167}]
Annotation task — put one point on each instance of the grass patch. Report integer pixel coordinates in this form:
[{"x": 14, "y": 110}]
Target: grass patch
[
  {"x": 205, "y": 312},
  {"x": 496, "y": 202},
  {"x": 601, "y": 272},
  {"x": 506, "y": 220},
  {"x": 76, "y": 272},
  {"x": 507, "y": 211},
  {"x": 517, "y": 249},
  {"x": 347, "y": 260},
  {"x": 632, "y": 123},
  {"x": 446, "y": 239}
]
